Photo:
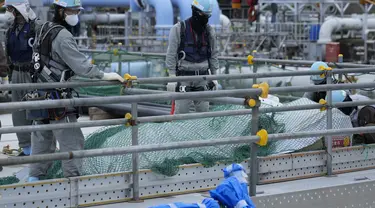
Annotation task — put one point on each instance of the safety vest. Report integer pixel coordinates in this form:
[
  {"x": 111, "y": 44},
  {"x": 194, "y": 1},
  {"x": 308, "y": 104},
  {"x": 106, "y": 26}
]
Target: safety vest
[
  {"x": 18, "y": 46},
  {"x": 196, "y": 47}
]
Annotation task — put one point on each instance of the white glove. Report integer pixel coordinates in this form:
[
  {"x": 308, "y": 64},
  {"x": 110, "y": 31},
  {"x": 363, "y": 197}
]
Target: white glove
[
  {"x": 112, "y": 76},
  {"x": 171, "y": 86},
  {"x": 5, "y": 80},
  {"x": 216, "y": 84}
]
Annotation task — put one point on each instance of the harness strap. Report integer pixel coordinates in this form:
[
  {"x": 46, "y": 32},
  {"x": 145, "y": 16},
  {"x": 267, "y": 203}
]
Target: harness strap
[{"x": 180, "y": 50}]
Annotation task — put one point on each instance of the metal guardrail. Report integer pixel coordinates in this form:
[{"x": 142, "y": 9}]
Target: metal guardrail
[{"x": 134, "y": 99}]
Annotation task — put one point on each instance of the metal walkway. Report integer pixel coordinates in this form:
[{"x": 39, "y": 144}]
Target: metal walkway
[{"x": 345, "y": 190}]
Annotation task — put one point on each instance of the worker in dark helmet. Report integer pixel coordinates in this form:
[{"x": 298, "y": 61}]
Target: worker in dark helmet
[
  {"x": 192, "y": 50},
  {"x": 56, "y": 58}
]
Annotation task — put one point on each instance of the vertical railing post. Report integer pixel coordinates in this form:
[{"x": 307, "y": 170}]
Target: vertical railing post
[
  {"x": 253, "y": 175},
  {"x": 328, "y": 139},
  {"x": 119, "y": 64},
  {"x": 254, "y": 150},
  {"x": 340, "y": 59},
  {"x": 135, "y": 156},
  {"x": 255, "y": 68}
]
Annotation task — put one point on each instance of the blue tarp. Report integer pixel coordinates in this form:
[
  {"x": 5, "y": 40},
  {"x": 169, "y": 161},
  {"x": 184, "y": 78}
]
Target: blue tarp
[
  {"x": 233, "y": 191},
  {"x": 233, "y": 194},
  {"x": 206, "y": 203}
]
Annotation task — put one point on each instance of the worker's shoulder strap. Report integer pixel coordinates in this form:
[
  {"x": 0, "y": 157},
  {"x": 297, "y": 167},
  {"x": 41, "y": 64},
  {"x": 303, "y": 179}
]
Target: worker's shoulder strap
[
  {"x": 208, "y": 39},
  {"x": 182, "y": 37},
  {"x": 207, "y": 33},
  {"x": 47, "y": 34}
]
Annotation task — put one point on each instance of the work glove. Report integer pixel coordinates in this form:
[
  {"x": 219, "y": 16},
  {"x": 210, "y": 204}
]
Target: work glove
[
  {"x": 216, "y": 84},
  {"x": 213, "y": 85},
  {"x": 171, "y": 86},
  {"x": 112, "y": 76},
  {"x": 5, "y": 81}
]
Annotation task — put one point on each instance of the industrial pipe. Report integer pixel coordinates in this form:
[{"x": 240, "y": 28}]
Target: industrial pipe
[
  {"x": 238, "y": 59},
  {"x": 184, "y": 7},
  {"x": 164, "y": 15},
  {"x": 176, "y": 145},
  {"x": 335, "y": 24},
  {"x": 226, "y": 24},
  {"x": 102, "y": 18},
  {"x": 97, "y": 3}
]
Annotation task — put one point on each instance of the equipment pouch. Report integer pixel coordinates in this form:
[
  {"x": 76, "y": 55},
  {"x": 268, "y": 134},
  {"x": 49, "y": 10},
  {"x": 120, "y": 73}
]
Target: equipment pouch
[
  {"x": 44, "y": 114},
  {"x": 37, "y": 114}
]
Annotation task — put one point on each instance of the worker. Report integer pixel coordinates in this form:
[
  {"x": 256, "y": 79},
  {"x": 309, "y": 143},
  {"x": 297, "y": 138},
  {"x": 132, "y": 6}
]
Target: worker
[
  {"x": 56, "y": 58},
  {"x": 19, "y": 37},
  {"x": 342, "y": 96},
  {"x": 361, "y": 116},
  {"x": 318, "y": 80},
  {"x": 192, "y": 50},
  {"x": 4, "y": 71}
]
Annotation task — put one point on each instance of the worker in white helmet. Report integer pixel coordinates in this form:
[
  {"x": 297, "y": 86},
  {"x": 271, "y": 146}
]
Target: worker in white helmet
[
  {"x": 56, "y": 58},
  {"x": 192, "y": 50},
  {"x": 21, "y": 21}
]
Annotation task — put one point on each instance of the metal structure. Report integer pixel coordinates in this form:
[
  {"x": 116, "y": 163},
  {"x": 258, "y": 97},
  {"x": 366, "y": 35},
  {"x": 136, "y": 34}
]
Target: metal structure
[
  {"x": 143, "y": 184},
  {"x": 292, "y": 31}
]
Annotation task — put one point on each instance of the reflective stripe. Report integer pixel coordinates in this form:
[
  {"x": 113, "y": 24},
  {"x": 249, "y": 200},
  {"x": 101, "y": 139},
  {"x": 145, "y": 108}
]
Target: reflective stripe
[
  {"x": 201, "y": 205},
  {"x": 172, "y": 205},
  {"x": 241, "y": 204}
]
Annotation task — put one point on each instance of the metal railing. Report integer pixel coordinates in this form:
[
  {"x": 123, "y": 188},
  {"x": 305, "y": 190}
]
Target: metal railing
[{"x": 148, "y": 95}]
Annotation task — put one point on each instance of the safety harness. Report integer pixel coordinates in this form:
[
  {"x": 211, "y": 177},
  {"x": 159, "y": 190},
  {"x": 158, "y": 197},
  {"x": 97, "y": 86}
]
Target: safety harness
[
  {"x": 181, "y": 55},
  {"x": 47, "y": 70}
]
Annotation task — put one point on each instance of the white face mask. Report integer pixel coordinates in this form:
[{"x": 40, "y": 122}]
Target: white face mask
[
  {"x": 9, "y": 17},
  {"x": 72, "y": 20}
]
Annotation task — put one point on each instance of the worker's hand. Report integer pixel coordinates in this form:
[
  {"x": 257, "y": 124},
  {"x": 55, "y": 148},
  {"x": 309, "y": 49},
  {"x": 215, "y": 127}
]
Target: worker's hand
[
  {"x": 216, "y": 84},
  {"x": 5, "y": 80},
  {"x": 213, "y": 85},
  {"x": 113, "y": 76},
  {"x": 171, "y": 87},
  {"x": 6, "y": 94}
]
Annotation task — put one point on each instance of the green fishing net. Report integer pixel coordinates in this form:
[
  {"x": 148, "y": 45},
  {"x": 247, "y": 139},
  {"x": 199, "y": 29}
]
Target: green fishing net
[{"x": 167, "y": 162}]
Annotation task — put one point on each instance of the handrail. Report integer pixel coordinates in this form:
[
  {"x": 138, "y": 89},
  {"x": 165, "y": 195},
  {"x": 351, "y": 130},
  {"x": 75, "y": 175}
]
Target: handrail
[{"x": 160, "y": 80}]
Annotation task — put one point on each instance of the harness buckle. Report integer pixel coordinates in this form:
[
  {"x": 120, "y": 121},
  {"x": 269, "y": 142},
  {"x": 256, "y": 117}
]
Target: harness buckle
[{"x": 182, "y": 88}]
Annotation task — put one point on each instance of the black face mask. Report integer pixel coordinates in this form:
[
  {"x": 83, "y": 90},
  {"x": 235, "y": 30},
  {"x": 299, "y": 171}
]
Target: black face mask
[{"x": 198, "y": 21}]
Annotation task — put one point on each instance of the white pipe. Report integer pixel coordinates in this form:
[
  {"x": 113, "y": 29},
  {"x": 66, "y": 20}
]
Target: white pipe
[
  {"x": 102, "y": 18},
  {"x": 225, "y": 23},
  {"x": 335, "y": 24},
  {"x": 2, "y": 18}
]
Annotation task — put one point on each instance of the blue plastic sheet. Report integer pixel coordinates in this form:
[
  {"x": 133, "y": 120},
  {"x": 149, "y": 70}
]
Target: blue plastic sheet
[
  {"x": 233, "y": 194},
  {"x": 206, "y": 203},
  {"x": 233, "y": 191}
]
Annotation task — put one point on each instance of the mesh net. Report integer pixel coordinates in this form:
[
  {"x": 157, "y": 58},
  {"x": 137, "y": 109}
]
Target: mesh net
[{"x": 167, "y": 162}]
